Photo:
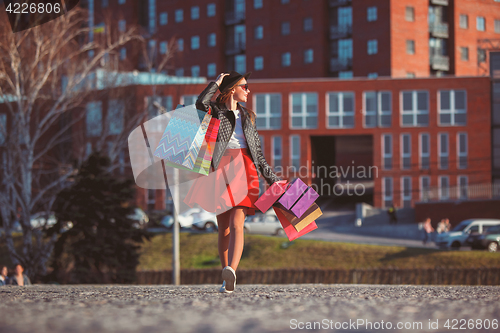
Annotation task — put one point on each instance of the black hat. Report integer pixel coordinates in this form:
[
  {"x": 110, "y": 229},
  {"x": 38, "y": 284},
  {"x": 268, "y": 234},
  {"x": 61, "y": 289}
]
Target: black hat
[{"x": 230, "y": 80}]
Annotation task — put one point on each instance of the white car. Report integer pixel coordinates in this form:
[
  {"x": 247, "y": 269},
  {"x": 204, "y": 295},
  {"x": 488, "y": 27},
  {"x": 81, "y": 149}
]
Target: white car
[
  {"x": 43, "y": 220},
  {"x": 456, "y": 237},
  {"x": 196, "y": 217},
  {"x": 140, "y": 218},
  {"x": 265, "y": 224}
]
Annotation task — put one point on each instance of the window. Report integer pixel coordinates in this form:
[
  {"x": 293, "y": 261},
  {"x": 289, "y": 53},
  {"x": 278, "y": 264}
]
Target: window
[
  {"x": 211, "y": 70},
  {"x": 443, "y": 150},
  {"x": 195, "y": 71},
  {"x": 195, "y": 42},
  {"x": 211, "y": 10},
  {"x": 480, "y": 23},
  {"x": 372, "y": 75},
  {"x": 410, "y": 14},
  {"x": 179, "y": 15},
  {"x": 115, "y": 116},
  {"x": 163, "y": 47},
  {"x": 387, "y": 151},
  {"x": 371, "y": 14},
  {"x": 481, "y": 55},
  {"x": 257, "y": 4},
  {"x": 410, "y": 75},
  {"x": 258, "y": 63},
  {"x": 308, "y": 56},
  {"x": 425, "y": 187},
  {"x": 377, "y": 108},
  {"x": 425, "y": 152},
  {"x": 121, "y": 2},
  {"x": 123, "y": 53},
  {"x": 122, "y": 25},
  {"x": 295, "y": 151},
  {"x": 277, "y": 151},
  {"x": 372, "y": 46},
  {"x": 240, "y": 63},
  {"x": 189, "y": 99},
  {"x": 212, "y": 39},
  {"x": 3, "y": 128},
  {"x": 104, "y": 3},
  {"x": 464, "y": 21},
  {"x": 452, "y": 107},
  {"x": 340, "y": 111},
  {"x": 497, "y": 26},
  {"x": 405, "y": 151},
  {"x": 462, "y": 150},
  {"x": 286, "y": 59},
  {"x": 462, "y": 189},
  {"x": 195, "y": 13},
  {"x": 444, "y": 187},
  {"x": 268, "y": 110},
  {"x": 406, "y": 191},
  {"x": 345, "y": 75},
  {"x": 410, "y": 46},
  {"x": 308, "y": 24},
  {"x": 259, "y": 32},
  {"x": 285, "y": 1},
  {"x": 94, "y": 119},
  {"x": 464, "y": 53},
  {"x": 415, "y": 108},
  {"x": 387, "y": 195},
  {"x": 285, "y": 28},
  {"x": 179, "y": 72},
  {"x": 304, "y": 112},
  {"x": 163, "y": 18},
  {"x": 180, "y": 44},
  {"x": 152, "y": 16}
]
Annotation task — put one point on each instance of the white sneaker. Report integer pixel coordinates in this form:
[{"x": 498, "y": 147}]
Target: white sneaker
[
  {"x": 223, "y": 288},
  {"x": 229, "y": 277}
]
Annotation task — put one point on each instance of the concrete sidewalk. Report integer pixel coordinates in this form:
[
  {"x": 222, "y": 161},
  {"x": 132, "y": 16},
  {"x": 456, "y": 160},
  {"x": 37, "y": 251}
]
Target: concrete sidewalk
[{"x": 252, "y": 308}]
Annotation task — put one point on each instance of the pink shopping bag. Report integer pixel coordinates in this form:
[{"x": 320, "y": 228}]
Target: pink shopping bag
[
  {"x": 290, "y": 231},
  {"x": 273, "y": 193}
]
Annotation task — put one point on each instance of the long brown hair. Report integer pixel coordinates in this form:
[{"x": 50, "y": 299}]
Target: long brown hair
[{"x": 225, "y": 96}]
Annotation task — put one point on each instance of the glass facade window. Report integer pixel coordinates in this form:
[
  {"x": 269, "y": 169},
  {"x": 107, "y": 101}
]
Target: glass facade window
[
  {"x": 371, "y": 14},
  {"x": 277, "y": 152},
  {"x": 195, "y": 71},
  {"x": 387, "y": 191},
  {"x": 480, "y": 23},
  {"x": 212, "y": 39},
  {"x": 123, "y": 53},
  {"x": 308, "y": 24},
  {"x": 464, "y": 21},
  {"x": 211, "y": 70},
  {"x": 179, "y": 72},
  {"x": 452, "y": 107},
  {"x": 286, "y": 59},
  {"x": 443, "y": 150},
  {"x": 295, "y": 151},
  {"x": 93, "y": 119},
  {"x": 258, "y": 63},
  {"x": 115, "y": 116},
  {"x": 462, "y": 150},
  {"x": 163, "y": 47},
  {"x": 268, "y": 110},
  {"x": 377, "y": 108},
  {"x": 444, "y": 188},
  {"x": 462, "y": 189},
  {"x": 372, "y": 46},
  {"x": 180, "y": 44},
  {"x": 340, "y": 110},
  {"x": 257, "y": 4},
  {"x": 415, "y": 108},
  {"x": 308, "y": 56},
  {"x": 410, "y": 46},
  {"x": 405, "y": 151},
  {"x": 410, "y": 14},
  {"x": 189, "y": 99},
  {"x": 259, "y": 32},
  {"x": 285, "y": 28},
  {"x": 240, "y": 63},
  {"x": 387, "y": 151},
  {"x": 195, "y": 42},
  {"x": 464, "y": 53},
  {"x": 304, "y": 110},
  {"x": 195, "y": 13},
  {"x": 406, "y": 192},
  {"x": 425, "y": 188},
  {"x": 179, "y": 15},
  {"x": 3, "y": 128},
  {"x": 497, "y": 26},
  {"x": 152, "y": 16},
  {"x": 122, "y": 25},
  {"x": 211, "y": 10},
  {"x": 163, "y": 18},
  {"x": 425, "y": 151}
]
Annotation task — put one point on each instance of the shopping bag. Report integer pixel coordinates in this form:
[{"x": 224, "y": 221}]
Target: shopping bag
[
  {"x": 311, "y": 214},
  {"x": 290, "y": 231},
  {"x": 269, "y": 197},
  {"x": 293, "y": 193},
  {"x": 298, "y": 198},
  {"x": 304, "y": 202}
]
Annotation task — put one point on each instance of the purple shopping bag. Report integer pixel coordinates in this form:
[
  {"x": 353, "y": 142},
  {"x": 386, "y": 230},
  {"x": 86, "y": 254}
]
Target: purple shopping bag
[
  {"x": 304, "y": 202},
  {"x": 293, "y": 193}
]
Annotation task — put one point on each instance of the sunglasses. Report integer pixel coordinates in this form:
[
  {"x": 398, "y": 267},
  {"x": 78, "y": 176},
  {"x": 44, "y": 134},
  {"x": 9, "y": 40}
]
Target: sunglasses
[{"x": 243, "y": 86}]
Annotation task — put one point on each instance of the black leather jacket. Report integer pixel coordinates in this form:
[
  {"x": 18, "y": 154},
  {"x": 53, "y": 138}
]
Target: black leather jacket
[{"x": 226, "y": 129}]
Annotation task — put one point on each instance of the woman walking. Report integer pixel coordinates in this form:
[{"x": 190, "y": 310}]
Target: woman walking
[{"x": 237, "y": 153}]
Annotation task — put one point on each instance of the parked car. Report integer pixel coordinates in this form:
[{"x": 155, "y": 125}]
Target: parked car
[
  {"x": 43, "y": 220},
  {"x": 456, "y": 237},
  {"x": 140, "y": 217},
  {"x": 489, "y": 239},
  {"x": 266, "y": 224},
  {"x": 193, "y": 217}
]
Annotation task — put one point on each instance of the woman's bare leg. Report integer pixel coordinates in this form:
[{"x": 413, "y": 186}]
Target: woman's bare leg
[
  {"x": 236, "y": 235},
  {"x": 223, "y": 242}
]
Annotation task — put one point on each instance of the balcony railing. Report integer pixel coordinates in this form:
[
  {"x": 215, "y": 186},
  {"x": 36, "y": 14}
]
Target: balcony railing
[
  {"x": 234, "y": 17},
  {"x": 340, "y": 64},
  {"x": 342, "y": 31},
  {"x": 440, "y": 2},
  {"x": 336, "y": 3},
  {"x": 470, "y": 192},
  {"x": 438, "y": 29},
  {"x": 233, "y": 48},
  {"x": 440, "y": 63}
]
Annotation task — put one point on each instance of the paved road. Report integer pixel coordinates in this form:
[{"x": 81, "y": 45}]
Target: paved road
[{"x": 252, "y": 308}]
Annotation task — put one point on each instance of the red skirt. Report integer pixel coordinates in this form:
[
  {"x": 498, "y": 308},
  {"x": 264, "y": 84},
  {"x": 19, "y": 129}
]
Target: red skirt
[{"x": 235, "y": 183}]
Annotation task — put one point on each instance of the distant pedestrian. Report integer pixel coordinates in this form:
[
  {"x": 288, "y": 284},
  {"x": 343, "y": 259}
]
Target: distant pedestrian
[
  {"x": 441, "y": 226},
  {"x": 447, "y": 225},
  {"x": 427, "y": 230},
  {"x": 4, "y": 279},
  {"x": 19, "y": 279},
  {"x": 392, "y": 215}
]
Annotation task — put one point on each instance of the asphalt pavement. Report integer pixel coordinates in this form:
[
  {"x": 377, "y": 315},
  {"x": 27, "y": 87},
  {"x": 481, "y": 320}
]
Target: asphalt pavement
[{"x": 251, "y": 308}]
